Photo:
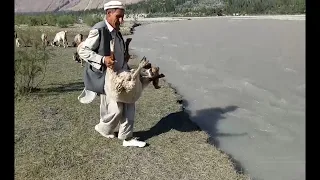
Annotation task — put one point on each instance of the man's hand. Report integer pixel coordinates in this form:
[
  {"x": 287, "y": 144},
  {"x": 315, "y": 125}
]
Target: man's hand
[{"x": 108, "y": 61}]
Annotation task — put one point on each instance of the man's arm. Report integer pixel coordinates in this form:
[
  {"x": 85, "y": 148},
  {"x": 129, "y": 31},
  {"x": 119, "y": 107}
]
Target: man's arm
[{"x": 86, "y": 50}]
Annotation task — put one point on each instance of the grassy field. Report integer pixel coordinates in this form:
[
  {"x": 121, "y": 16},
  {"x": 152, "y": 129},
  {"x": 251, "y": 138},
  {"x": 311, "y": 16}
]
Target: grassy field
[
  {"x": 55, "y": 136},
  {"x": 25, "y": 32}
]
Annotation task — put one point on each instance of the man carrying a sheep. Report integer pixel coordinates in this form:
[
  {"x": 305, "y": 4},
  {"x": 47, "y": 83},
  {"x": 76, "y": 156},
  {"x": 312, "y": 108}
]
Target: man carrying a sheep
[{"x": 96, "y": 52}]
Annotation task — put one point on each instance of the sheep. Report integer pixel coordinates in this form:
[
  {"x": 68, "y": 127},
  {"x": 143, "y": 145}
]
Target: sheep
[
  {"x": 77, "y": 40},
  {"x": 127, "y": 85},
  {"x": 44, "y": 39},
  {"x": 76, "y": 56},
  {"x": 18, "y": 42},
  {"x": 60, "y": 36}
]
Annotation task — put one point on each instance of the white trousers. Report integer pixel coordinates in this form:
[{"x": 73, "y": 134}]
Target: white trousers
[{"x": 112, "y": 113}]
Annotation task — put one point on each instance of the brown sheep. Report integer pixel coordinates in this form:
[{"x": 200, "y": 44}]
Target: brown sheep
[
  {"x": 77, "y": 40},
  {"x": 76, "y": 56},
  {"x": 44, "y": 39}
]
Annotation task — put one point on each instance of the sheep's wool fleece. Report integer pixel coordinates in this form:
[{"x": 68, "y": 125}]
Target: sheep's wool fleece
[{"x": 132, "y": 88}]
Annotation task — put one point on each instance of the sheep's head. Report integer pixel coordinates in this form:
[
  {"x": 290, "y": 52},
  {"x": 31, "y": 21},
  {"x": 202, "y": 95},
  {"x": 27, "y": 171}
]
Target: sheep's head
[
  {"x": 154, "y": 76},
  {"x": 153, "y": 71},
  {"x": 53, "y": 43}
]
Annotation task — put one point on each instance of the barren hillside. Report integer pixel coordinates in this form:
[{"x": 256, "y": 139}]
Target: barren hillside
[{"x": 57, "y": 5}]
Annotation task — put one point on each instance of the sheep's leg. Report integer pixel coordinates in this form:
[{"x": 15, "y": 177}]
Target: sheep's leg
[
  {"x": 143, "y": 62},
  {"x": 127, "y": 55},
  {"x": 128, "y": 40},
  {"x": 64, "y": 43}
]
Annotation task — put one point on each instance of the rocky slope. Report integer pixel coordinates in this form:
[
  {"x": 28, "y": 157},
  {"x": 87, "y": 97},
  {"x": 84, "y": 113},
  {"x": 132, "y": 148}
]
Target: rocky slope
[{"x": 59, "y": 5}]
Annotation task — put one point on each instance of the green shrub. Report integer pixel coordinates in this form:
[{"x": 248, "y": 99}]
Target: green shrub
[
  {"x": 30, "y": 67},
  {"x": 91, "y": 20},
  {"x": 50, "y": 19},
  {"x": 65, "y": 20}
]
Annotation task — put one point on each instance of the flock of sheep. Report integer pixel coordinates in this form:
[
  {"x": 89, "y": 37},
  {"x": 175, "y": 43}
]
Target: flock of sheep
[{"x": 59, "y": 37}]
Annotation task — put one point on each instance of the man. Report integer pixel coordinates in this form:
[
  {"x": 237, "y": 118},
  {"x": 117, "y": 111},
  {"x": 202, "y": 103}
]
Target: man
[{"x": 96, "y": 51}]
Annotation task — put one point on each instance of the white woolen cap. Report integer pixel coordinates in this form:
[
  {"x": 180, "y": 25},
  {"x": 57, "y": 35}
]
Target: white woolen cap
[{"x": 112, "y": 5}]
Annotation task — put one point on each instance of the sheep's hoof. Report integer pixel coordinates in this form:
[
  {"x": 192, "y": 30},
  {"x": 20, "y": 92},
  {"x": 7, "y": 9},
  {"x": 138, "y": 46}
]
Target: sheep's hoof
[
  {"x": 144, "y": 58},
  {"x": 144, "y": 62}
]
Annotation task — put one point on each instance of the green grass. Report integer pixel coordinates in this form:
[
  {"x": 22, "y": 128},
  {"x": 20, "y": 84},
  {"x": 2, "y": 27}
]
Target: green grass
[{"x": 55, "y": 136}]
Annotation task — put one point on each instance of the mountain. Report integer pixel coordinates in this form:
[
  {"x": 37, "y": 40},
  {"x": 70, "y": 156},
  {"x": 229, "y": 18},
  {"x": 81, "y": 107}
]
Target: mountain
[{"x": 22, "y": 6}]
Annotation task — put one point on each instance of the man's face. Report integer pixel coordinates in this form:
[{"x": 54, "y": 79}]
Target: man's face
[{"x": 115, "y": 18}]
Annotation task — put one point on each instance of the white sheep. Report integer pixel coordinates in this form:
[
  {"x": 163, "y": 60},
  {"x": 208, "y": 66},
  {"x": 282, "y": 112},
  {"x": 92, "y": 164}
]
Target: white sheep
[
  {"x": 60, "y": 36},
  {"x": 127, "y": 85},
  {"x": 18, "y": 42}
]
